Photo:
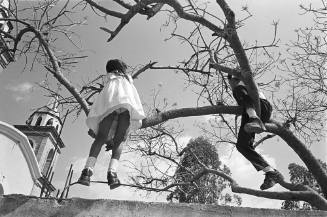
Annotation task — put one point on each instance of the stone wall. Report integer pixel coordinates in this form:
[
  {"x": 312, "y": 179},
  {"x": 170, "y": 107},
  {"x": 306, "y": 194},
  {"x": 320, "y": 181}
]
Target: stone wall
[{"x": 26, "y": 206}]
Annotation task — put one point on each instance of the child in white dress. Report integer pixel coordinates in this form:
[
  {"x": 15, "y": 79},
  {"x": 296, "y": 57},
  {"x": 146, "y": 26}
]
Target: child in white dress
[{"x": 116, "y": 111}]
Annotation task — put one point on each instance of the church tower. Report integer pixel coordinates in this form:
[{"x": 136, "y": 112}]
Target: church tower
[{"x": 43, "y": 129}]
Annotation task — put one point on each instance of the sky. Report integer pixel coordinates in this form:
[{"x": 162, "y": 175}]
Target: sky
[{"x": 140, "y": 42}]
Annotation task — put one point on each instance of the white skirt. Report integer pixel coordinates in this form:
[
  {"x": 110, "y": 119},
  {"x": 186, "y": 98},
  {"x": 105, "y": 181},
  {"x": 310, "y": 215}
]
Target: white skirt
[{"x": 119, "y": 93}]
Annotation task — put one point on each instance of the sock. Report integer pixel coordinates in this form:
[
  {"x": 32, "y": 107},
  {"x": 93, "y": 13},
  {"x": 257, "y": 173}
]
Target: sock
[
  {"x": 251, "y": 112},
  {"x": 90, "y": 163},
  {"x": 268, "y": 169},
  {"x": 113, "y": 165}
]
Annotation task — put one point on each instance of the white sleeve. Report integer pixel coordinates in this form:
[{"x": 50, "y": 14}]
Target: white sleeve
[
  {"x": 129, "y": 77},
  {"x": 261, "y": 95}
]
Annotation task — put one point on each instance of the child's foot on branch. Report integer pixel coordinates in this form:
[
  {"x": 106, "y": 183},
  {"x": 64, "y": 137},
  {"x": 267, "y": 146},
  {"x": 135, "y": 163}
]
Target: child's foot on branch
[
  {"x": 255, "y": 125},
  {"x": 85, "y": 177},
  {"x": 113, "y": 180},
  {"x": 272, "y": 178}
]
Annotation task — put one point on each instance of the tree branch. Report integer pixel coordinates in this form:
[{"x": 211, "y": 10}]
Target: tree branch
[
  {"x": 302, "y": 151},
  {"x": 105, "y": 10},
  {"x": 230, "y": 34},
  {"x": 56, "y": 72},
  {"x": 187, "y": 112},
  {"x": 144, "y": 68}
]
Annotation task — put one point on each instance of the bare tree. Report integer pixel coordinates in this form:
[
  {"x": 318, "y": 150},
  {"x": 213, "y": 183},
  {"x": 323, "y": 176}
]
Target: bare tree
[
  {"x": 38, "y": 26},
  {"x": 217, "y": 51},
  {"x": 306, "y": 69}
]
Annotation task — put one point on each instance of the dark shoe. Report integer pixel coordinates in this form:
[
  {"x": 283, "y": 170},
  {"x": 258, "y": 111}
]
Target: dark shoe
[
  {"x": 85, "y": 179},
  {"x": 272, "y": 177},
  {"x": 113, "y": 180},
  {"x": 255, "y": 125}
]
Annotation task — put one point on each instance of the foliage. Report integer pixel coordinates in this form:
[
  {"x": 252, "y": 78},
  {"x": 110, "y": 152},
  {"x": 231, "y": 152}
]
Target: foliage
[
  {"x": 301, "y": 175},
  {"x": 209, "y": 188}
]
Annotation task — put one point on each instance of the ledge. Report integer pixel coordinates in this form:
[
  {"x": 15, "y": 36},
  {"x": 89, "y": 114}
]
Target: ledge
[{"x": 27, "y": 206}]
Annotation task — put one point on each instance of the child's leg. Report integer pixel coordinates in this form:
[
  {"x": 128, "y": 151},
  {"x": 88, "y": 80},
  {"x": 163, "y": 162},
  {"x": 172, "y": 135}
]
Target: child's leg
[
  {"x": 254, "y": 124},
  {"x": 100, "y": 139},
  {"x": 120, "y": 136},
  {"x": 245, "y": 146}
]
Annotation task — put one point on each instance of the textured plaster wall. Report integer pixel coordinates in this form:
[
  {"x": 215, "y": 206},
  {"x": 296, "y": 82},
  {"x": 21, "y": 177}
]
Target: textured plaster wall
[
  {"x": 24, "y": 206},
  {"x": 15, "y": 175}
]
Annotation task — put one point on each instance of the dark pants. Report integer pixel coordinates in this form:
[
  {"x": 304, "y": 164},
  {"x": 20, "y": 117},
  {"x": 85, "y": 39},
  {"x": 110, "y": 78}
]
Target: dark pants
[{"x": 245, "y": 140}]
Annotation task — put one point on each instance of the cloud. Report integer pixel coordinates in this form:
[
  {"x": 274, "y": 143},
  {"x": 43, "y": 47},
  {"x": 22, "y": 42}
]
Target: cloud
[
  {"x": 22, "y": 88},
  {"x": 245, "y": 175},
  {"x": 21, "y": 91},
  {"x": 183, "y": 140}
]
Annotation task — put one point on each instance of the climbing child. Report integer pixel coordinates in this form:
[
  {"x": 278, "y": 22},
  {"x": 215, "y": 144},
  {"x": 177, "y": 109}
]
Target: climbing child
[
  {"x": 251, "y": 123},
  {"x": 115, "y": 112}
]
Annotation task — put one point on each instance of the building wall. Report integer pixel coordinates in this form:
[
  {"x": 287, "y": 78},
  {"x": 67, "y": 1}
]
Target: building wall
[
  {"x": 19, "y": 169},
  {"x": 42, "y": 146},
  {"x": 37, "y": 140},
  {"x": 47, "y": 146},
  {"x": 14, "y": 172}
]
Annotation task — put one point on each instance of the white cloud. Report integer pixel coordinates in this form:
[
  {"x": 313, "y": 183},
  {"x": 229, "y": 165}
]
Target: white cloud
[
  {"x": 183, "y": 140},
  {"x": 19, "y": 98},
  {"x": 21, "y": 91},
  {"x": 206, "y": 119},
  {"x": 246, "y": 175},
  {"x": 25, "y": 87}
]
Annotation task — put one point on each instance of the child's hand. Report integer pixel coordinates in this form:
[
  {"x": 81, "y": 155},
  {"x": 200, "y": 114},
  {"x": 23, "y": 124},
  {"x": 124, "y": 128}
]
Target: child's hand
[{"x": 91, "y": 133}]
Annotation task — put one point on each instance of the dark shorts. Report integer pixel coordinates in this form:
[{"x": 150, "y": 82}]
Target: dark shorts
[{"x": 266, "y": 110}]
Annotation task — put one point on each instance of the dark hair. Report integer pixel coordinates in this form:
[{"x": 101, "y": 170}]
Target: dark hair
[{"x": 116, "y": 64}]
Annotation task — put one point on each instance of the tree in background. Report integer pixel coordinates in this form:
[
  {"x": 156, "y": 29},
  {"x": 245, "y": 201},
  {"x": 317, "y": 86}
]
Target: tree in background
[
  {"x": 208, "y": 189},
  {"x": 301, "y": 175}
]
